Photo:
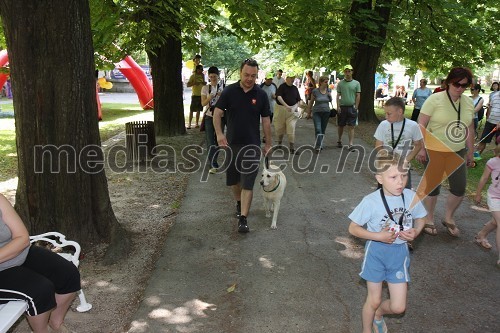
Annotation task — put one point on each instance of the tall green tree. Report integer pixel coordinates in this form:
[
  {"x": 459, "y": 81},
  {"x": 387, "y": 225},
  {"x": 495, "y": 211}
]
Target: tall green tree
[
  {"x": 224, "y": 51},
  {"x": 431, "y": 35},
  {"x": 62, "y": 185},
  {"x": 162, "y": 28}
]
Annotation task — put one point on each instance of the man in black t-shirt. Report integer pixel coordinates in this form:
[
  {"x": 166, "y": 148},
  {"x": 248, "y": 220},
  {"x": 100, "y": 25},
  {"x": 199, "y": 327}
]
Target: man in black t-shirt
[
  {"x": 244, "y": 105},
  {"x": 287, "y": 97}
]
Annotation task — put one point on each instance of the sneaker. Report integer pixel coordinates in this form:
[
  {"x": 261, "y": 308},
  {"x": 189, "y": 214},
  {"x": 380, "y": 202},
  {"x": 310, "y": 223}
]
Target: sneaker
[
  {"x": 339, "y": 144},
  {"x": 242, "y": 225},
  {"x": 379, "y": 326},
  {"x": 238, "y": 209},
  {"x": 212, "y": 170}
]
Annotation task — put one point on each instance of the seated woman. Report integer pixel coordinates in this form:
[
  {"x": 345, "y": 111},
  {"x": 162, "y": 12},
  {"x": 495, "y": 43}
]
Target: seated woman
[
  {"x": 44, "y": 279},
  {"x": 380, "y": 96},
  {"x": 379, "y": 93},
  {"x": 401, "y": 92}
]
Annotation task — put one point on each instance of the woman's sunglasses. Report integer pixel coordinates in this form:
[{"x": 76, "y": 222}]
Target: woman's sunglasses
[{"x": 458, "y": 85}]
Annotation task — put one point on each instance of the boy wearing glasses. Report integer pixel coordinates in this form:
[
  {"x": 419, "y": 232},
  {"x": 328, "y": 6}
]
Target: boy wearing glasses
[{"x": 392, "y": 219}]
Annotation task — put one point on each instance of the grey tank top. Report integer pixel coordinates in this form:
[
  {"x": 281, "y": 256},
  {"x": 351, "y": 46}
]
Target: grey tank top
[{"x": 6, "y": 237}]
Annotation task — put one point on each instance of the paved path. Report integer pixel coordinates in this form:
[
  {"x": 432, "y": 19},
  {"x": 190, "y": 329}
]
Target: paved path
[{"x": 303, "y": 277}]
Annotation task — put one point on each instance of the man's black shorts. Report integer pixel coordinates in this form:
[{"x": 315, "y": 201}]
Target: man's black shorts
[
  {"x": 348, "y": 116},
  {"x": 243, "y": 165}
]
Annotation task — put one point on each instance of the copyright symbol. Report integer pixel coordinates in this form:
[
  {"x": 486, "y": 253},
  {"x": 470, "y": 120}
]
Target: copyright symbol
[{"x": 456, "y": 132}]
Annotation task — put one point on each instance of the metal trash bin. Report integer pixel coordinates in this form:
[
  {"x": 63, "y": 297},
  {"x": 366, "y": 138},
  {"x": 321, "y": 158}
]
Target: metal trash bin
[{"x": 140, "y": 140}]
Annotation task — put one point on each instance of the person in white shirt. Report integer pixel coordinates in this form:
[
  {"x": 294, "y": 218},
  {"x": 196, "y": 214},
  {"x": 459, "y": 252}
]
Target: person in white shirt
[
  {"x": 209, "y": 96},
  {"x": 399, "y": 134},
  {"x": 278, "y": 80}
]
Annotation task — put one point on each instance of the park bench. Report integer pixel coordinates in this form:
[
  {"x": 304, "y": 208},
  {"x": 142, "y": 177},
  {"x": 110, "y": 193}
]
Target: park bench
[{"x": 12, "y": 310}]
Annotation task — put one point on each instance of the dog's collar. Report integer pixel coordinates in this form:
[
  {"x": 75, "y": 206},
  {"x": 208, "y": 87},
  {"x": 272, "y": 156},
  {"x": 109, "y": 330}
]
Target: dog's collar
[{"x": 275, "y": 188}]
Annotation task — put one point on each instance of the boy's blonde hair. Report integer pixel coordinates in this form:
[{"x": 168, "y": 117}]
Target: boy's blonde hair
[
  {"x": 323, "y": 78},
  {"x": 385, "y": 159}
]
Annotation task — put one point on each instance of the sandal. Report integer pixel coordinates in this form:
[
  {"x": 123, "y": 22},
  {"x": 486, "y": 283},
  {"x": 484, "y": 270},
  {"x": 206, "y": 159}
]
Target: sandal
[
  {"x": 339, "y": 144},
  {"x": 379, "y": 326},
  {"x": 432, "y": 231},
  {"x": 482, "y": 242},
  {"x": 451, "y": 228}
]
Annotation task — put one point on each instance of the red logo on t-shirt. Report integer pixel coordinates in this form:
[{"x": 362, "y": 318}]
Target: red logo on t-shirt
[{"x": 254, "y": 101}]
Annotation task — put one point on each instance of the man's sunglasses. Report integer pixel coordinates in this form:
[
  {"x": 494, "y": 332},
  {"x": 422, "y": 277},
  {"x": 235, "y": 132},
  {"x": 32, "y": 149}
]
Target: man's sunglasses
[{"x": 458, "y": 85}]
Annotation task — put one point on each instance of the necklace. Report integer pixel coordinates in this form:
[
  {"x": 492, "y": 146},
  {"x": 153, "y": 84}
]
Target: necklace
[
  {"x": 401, "y": 217},
  {"x": 455, "y": 108},
  {"x": 394, "y": 144}
]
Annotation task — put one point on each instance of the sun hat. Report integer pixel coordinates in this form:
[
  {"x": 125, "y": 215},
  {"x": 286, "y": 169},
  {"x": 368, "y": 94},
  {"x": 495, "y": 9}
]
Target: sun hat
[
  {"x": 347, "y": 67},
  {"x": 269, "y": 75}
]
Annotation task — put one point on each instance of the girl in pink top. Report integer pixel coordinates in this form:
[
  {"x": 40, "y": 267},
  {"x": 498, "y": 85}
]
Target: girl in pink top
[{"x": 492, "y": 168}]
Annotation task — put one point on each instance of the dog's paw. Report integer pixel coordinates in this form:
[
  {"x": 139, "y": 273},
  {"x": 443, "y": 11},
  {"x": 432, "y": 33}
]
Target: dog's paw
[
  {"x": 273, "y": 226},
  {"x": 268, "y": 214}
]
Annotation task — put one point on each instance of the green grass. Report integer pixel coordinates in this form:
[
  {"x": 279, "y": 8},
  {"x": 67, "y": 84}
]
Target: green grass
[
  {"x": 115, "y": 116},
  {"x": 7, "y": 106},
  {"x": 8, "y": 154}
]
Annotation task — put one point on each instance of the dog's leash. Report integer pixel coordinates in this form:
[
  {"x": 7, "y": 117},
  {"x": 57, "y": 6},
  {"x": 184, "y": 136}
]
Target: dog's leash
[{"x": 266, "y": 162}]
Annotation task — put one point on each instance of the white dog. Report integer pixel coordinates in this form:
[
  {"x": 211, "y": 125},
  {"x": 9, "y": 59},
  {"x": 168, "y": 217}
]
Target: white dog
[
  {"x": 272, "y": 183},
  {"x": 299, "y": 109}
]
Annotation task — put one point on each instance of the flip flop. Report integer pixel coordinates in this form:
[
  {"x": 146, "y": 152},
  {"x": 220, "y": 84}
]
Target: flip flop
[
  {"x": 483, "y": 243},
  {"x": 432, "y": 232},
  {"x": 452, "y": 229}
]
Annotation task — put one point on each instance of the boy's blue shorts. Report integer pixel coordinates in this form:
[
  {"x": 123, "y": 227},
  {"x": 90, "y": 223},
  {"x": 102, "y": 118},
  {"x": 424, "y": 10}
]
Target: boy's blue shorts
[{"x": 386, "y": 262}]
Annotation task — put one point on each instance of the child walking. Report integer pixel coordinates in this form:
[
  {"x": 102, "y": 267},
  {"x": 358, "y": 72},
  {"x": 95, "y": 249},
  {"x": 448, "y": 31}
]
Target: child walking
[
  {"x": 390, "y": 222},
  {"x": 492, "y": 168},
  {"x": 399, "y": 134}
]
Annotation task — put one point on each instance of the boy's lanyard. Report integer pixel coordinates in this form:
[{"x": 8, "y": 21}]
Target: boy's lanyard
[
  {"x": 400, "y": 222},
  {"x": 394, "y": 145},
  {"x": 454, "y": 107}
]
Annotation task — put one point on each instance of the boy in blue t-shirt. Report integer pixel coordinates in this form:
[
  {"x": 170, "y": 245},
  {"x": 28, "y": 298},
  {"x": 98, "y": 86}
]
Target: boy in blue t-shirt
[{"x": 391, "y": 221}]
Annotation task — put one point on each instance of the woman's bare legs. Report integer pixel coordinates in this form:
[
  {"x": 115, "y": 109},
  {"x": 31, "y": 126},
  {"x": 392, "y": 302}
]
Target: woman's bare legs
[
  {"x": 39, "y": 323},
  {"x": 63, "y": 303}
]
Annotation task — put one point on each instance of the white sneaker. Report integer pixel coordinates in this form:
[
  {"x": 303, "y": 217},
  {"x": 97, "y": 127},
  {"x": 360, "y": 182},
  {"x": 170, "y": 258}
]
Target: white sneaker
[{"x": 212, "y": 170}]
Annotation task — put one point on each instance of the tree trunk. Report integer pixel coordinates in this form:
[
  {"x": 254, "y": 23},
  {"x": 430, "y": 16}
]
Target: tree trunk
[
  {"x": 367, "y": 47},
  {"x": 166, "y": 64},
  {"x": 52, "y": 69}
]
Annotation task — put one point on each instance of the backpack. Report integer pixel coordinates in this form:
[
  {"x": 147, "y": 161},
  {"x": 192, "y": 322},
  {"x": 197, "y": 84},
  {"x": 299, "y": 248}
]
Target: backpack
[
  {"x": 213, "y": 100},
  {"x": 480, "y": 113}
]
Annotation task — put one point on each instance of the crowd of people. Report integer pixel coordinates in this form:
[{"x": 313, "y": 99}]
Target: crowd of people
[
  {"x": 385, "y": 218},
  {"x": 388, "y": 218}
]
